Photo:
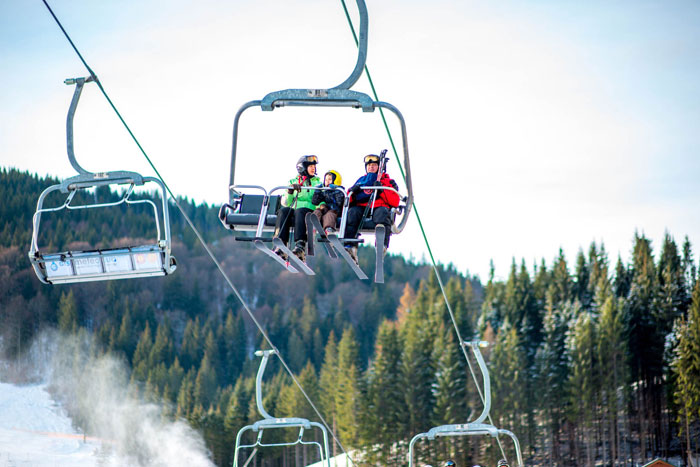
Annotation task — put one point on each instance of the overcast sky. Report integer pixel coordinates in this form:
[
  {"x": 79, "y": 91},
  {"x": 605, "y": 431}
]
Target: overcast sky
[{"x": 531, "y": 125}]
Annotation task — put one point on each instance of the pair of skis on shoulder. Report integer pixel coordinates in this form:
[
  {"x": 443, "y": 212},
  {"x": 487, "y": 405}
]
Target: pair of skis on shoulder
[{"x": 334, "y": 247}]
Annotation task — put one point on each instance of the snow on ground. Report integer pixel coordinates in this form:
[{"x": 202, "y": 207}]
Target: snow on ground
[
  {"x": 123, "y": 429},
  {"x": 34, "y": 431},
  {"x": 340, "y": 460}
]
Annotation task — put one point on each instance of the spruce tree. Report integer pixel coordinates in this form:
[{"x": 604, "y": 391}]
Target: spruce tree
[
  {"x": 553, "y": 371},
  {"x": 418, "y": 362},
  {"x": 385, "y": 395},
  {"x": 612, "y": 358},
  {"x": 348, "y": 392},
  {"x": 328, "y": 380},
  {"x": 686, "y": 367},
  {"x": 583, "y": 383},
  {"x": 68, "y": 313}
]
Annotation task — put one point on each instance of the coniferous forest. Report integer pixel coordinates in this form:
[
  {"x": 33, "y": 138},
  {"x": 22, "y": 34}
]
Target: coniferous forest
[{"x": 593, "y": 361}]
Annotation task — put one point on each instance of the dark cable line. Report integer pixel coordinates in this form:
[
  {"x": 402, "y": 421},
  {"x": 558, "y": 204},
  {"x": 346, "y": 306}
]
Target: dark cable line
[
  {"x": 201, "y": 239},
  {"x": 425, "y": 238}
]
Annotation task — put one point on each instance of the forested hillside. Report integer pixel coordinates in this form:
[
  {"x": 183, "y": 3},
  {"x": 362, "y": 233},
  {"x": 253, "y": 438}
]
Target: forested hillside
[{"x": 590, "y": 363}]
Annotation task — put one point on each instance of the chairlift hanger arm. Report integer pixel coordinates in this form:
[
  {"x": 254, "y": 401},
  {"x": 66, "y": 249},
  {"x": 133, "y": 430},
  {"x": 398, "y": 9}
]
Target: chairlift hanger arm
[{"x": 79, "y": 83}]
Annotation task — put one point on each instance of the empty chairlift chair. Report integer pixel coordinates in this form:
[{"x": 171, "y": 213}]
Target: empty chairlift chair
[
  {"x": 152, "y": 259},
  {"x": 338, "y": 96},
  {"x": 269, "y": 422},
  {"x": 476, "y": 427}
]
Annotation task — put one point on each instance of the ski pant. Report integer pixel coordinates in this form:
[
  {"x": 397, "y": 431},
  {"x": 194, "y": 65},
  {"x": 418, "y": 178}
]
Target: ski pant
[
  {"x": 327, "y": 216},
  {"x": 381, "y": 215},
  {"x": 288, "y": 216}
]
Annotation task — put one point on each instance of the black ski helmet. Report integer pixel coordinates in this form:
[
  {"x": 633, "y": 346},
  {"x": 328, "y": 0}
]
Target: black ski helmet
[
  {"x": 450, "y": 463},
  {"x": 371, "y": 159},
  {"x": 304, "y": 162}
]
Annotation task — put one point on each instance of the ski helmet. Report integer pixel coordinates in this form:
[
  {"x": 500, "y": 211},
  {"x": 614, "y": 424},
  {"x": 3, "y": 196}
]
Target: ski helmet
[
  {"x": 337, "y": 179},
  {"x": 450, "y": 463},
  {"x": 371, "y": 159},
  {"x": 304, "y": 162}
]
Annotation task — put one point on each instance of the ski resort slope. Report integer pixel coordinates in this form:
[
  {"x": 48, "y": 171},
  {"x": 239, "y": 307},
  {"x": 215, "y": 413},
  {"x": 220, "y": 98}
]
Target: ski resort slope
[{"x": 35, "y": 432}]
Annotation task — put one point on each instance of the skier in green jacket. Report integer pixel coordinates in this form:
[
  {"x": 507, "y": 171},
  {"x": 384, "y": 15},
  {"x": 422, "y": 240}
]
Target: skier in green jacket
[{"x": 297, "y": 204}]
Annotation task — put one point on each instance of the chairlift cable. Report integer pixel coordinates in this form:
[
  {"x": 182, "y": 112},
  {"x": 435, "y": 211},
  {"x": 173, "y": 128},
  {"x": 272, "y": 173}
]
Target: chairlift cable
[
  {"x": 425, "y": 238},
  {"x": 204, "y": 243}
]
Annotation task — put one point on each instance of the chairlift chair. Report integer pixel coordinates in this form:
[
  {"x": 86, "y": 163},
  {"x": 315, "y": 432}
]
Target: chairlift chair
[
  {"x": 234, "y": 215},
  {"x": 101, "y": 264},
  {"x": 476, "y": 427},
  {"x": 269, "y": 422}
]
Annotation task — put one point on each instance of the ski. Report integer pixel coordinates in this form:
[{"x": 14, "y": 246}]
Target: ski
[
  {"x": 296, "y": 262},
  {"x": 340, "y": 249},
  {"x": 379, "y": 233},
  {"x": 312, "y": 223},
  {"x": 285, "y": 264}
]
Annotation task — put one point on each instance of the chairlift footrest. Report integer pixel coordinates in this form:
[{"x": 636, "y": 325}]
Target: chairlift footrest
[{"x": 252, "y": 239}]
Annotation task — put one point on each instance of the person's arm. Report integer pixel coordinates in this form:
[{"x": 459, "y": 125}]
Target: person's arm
[
  {"x": 390, "y": 197},
  {"x": 318, "y": 197}
]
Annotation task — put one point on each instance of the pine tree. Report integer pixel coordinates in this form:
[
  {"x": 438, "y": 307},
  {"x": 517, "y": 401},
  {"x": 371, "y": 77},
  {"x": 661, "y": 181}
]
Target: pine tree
[
  {"x": 237, "y": 412},
  {"x": 192, "y": 349},
  {"x": 418, "y": 363},
  {"x": 612, "y": 357},
  {"x": 673, "y": 299},
  {"x": 553, "y": 372},
  {"x": 583, "y": 279},
  {"x": 292, "y": 401},
  {"x": 508, "y": 373},
  {"x": 451, "y": 382},
  {"x": 561, "y": 286},
  {"x": 348, "y": 391},
  {"x": 583, "y": 382},
  {"x": 163, "y": 350},
  {"x": 205, "y": 384},
  {"x": 141, "y": 362},
  {"x": 690, "y": 271},
  {"x": 185, "y": 397},
  {"x": 68, "y": 313},
  {"x": 646, "y": 344},
  {"x": 328, "y": 379},
  {"x": 686, "y": 367},
  {"x": 385, "y": 392}
]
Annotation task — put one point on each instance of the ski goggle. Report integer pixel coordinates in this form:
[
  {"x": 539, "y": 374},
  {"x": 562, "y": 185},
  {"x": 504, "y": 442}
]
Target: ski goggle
[
  {"x": 371, "y": 158},
  {"x": 311, "y": 160}
]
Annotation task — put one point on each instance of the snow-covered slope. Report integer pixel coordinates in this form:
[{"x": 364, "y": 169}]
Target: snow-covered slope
[
  {"x": 123, "y": 429},
  {"x": 35, "y": 432}
]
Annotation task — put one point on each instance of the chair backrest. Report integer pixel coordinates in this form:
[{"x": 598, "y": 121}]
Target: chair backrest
[{"x": 252, "y": 204}]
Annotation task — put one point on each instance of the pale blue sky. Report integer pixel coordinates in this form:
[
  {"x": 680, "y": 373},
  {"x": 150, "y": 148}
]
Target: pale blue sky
[{"x": 531, "y": 125}]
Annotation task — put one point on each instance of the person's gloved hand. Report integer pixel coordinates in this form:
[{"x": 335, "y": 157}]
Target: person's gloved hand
[
  {"x": 296, "y": 187},
  {"x": 354, "y": 190}
]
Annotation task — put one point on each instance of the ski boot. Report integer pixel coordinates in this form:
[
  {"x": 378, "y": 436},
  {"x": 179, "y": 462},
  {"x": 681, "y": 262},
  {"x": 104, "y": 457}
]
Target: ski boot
[
  {"x": 280, "y": 253},
  {"x": 300, "y": 250},
  {"x": 352, "y": 251}
]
